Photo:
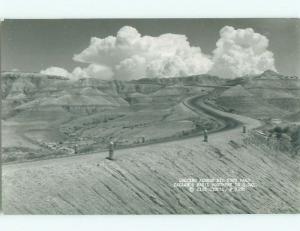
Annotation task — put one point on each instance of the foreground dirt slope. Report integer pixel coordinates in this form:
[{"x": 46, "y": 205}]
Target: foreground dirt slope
[{"x": 140, "y": 180}]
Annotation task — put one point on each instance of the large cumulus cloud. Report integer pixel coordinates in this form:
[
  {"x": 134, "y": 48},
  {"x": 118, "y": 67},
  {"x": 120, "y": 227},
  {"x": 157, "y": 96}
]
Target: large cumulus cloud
[
  {"x": 241, "y": 52},
  {"x": 131, "y": 56}
]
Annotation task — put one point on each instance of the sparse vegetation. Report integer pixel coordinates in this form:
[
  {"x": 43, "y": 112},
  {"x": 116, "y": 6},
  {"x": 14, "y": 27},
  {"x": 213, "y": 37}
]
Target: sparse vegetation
[
  {"x": 288, "y": 136},
  {"x": 49, "y": 115}
]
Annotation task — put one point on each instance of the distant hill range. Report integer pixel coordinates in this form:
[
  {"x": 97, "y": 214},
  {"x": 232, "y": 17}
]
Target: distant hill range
[{"x": 267, "y": 94}]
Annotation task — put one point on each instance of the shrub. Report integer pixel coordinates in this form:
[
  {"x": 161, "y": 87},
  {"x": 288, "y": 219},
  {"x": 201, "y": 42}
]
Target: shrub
[{"x": 277, "y": 129}]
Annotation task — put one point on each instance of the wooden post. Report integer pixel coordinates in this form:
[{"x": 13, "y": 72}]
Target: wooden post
[
  {"x": 244, "y": 128},
  {"x": 110, "y": 150},
  {"x": 205, "y": 135},
  {"x": 76, "y": 149}
]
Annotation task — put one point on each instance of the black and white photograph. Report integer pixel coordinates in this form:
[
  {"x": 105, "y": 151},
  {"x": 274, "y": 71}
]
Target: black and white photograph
[{"x": 150, "y": 116}]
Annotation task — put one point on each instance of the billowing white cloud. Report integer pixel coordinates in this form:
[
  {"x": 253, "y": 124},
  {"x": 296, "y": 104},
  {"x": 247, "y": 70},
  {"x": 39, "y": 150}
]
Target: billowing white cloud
[
  {"x": 132, "y": 56},
  {"x": 240, "y": 52},
  {"x": 57, "y": 71},
  {"x": 92, "y": 71},
  {"x": 129, "y": 55}
]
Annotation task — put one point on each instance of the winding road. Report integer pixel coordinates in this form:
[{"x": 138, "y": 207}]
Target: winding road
[{"x": 225, "y": 122}]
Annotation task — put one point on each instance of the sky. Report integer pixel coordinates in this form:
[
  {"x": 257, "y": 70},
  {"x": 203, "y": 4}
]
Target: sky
[{"x": 205, "y": 46}]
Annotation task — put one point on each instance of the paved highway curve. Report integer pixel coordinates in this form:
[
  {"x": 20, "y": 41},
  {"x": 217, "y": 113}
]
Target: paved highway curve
[{"x": 194, "y": 103}]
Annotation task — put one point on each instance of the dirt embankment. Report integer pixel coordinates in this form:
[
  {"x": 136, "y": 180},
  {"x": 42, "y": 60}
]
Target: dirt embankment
[{"x": 140, "y": 181}]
